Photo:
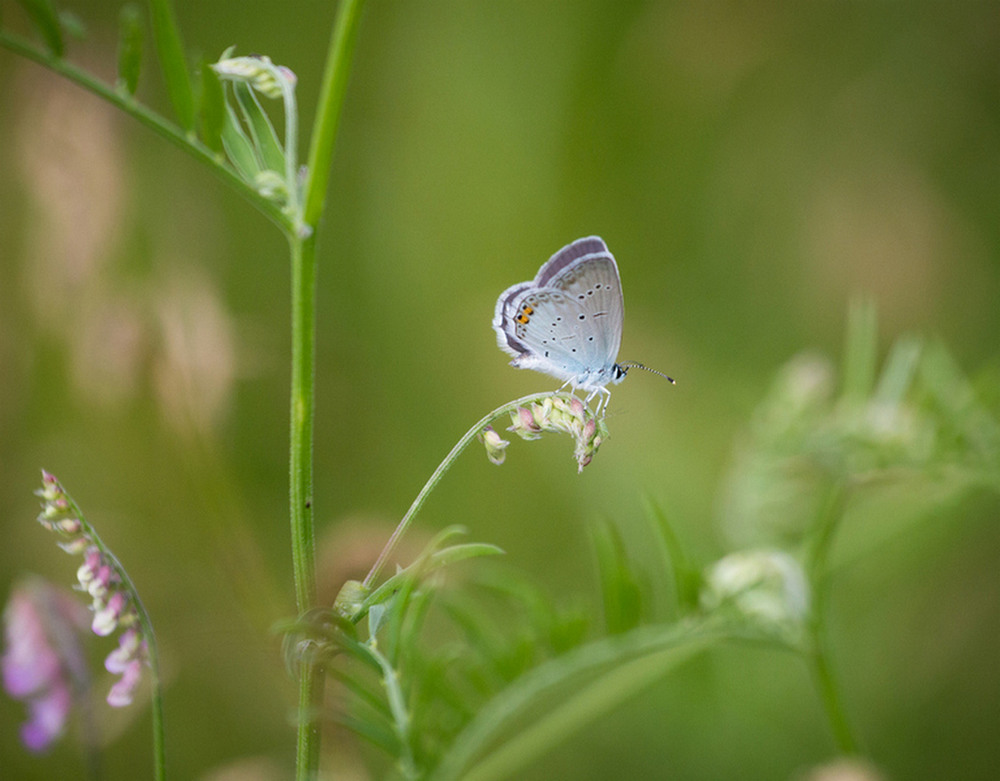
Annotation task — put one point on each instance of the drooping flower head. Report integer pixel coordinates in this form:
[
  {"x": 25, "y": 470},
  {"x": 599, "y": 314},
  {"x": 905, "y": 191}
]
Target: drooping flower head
[
  {"x": 561, "y": 413},
  {"x": 114, "y": 602}
]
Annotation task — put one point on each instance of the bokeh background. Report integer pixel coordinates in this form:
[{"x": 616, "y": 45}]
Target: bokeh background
[{"x": 753, "y": 166}]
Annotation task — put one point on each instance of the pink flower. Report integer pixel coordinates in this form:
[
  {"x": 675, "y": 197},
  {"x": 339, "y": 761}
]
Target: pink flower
[
  {"x": 43, "y": 663},
  {"x": 115, "y": 608}
]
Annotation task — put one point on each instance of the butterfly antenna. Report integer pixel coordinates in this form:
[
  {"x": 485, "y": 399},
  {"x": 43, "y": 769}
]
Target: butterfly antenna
[{"x": 633, "y": 365}]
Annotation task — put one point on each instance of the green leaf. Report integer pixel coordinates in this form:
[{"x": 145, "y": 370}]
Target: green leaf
[
  {"x": 619, "y": 589},
  {"x": 426, "y": 564},
  {"x": 175, "y": 71},
  {"x": 46, "y": 20},
  {"x": 687, "y": 579},
  {"x": 265, "y": 140},
  {"x": 211, "y": 109},
  {"x": 378, "y": 735},
  {"x": 861, "y": 350},
  {"x": 560, "y": 696},
  {"x": 899, "y": 371},
  {"x": 361, "y": 690},
  {"x": 129, "y": 49},
  {"x": 238, "y": 147}
]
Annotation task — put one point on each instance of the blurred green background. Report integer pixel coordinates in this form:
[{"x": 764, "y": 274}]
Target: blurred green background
[{"x": 753, "y": 166}]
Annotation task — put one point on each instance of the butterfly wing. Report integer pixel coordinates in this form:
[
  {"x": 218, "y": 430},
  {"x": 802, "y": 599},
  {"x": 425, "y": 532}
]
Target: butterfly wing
[
  {"x": 567, "y": 322},
  {"x": 586, "y": 272}
]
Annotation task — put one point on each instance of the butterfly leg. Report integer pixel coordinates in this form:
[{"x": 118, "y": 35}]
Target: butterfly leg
[{"x": 604, "y": 396}]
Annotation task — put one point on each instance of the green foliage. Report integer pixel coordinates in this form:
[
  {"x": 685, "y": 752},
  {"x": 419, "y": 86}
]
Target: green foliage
[
  {"x": 129, "y": 49},
  {"x": 212, "y": 112},
  {"x": 46, "y": 20},
  {"x": 173, "y": 62},
  {"x": 481, "y": 677}
]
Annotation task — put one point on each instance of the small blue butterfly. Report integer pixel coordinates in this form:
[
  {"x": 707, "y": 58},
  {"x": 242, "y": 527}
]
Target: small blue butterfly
[{"x": 567, "y": 322}]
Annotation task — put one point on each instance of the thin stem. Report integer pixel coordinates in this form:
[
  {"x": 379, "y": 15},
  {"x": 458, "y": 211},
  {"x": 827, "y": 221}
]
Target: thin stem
[
  {"x": 152, "y": 653},
  {"x": 443, "y": 467},
  {"x": 819, "y": 656},
  {"x": 830, "y": 694},
  {"x": 332, "y": 91},
  {"x": 167, "y": 130},
  {"x": 398, "y": 708}
]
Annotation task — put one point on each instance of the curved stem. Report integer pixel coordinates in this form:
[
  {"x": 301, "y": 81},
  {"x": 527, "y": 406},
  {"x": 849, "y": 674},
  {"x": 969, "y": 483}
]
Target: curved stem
[
  {"x": 152, "y": 652},
  {"x": 167, "y": 130},
  {"x": 443, "y": 467}
]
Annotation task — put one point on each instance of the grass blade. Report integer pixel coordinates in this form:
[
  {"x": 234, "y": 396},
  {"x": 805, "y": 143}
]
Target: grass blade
[{"x": 175, "y": 71}]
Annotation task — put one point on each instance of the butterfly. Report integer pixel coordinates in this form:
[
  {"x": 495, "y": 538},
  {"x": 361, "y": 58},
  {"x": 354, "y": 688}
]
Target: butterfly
[{"x": 567, "y": 321}]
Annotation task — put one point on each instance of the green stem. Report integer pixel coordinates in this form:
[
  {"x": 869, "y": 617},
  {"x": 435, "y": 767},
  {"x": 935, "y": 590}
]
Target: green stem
[
  {"x": 817, "y": 567},
  {"x": 302, "y": 240},
  {"x": 332, "y": 91},
  {"x": 443, "y": 467},
  {"x": 152, "y": 652},
  {"x": 172, "y": 133},
  {"x": 303, "y": 253},
  {"x": 300, "y": 462},
  {"x": 830, "y": 694}
]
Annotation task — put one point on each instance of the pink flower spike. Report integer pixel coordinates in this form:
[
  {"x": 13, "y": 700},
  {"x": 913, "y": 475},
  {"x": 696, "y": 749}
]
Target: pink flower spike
[
  {"x": 106, "y": 619},
  {"x": 69, "y": 525},
  {"x": 527, "y": 419},
  {"x": 130, "y": 646},
  {"x": 75, "y": 547},
  {"x": 121, "y": 693},
  {"x": 103, "y": 578}
]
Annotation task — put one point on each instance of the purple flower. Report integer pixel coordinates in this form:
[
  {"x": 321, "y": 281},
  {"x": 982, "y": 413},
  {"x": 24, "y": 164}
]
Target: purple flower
[
  {"x": 43, "y": 663},
  {"x": 113, "y": 603},
  {"x": 126, "y": 660}
]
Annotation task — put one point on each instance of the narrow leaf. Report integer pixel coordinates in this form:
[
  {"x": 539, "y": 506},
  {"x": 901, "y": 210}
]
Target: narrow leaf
[
  {"x": 619, "y": 589},
  {"x": 361, "y": 690},
  {"x": 129, "y": 49},
  {"x": 262, "y": 131},
  {"x": 171, "y": 52},
  {"x": 376, "y": 734},
  {"x": 899, "y": 371},
  {"x": 43, "y": 15},
  {"x": 212, "y": 109},
  {"x": 560, "y": 696},
  {"x": 238, "y": 147},
  {"x": 860, "y": 352}
]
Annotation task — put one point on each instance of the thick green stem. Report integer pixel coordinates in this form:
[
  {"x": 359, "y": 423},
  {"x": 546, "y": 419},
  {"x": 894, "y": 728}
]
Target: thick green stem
[
  {"x": 300, "y": 461},
  {"x": 303, "y": 251}
]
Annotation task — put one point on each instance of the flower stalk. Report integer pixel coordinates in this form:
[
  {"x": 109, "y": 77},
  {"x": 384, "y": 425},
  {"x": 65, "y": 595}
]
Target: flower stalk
[
  {"x": 115, "y": 604},
  {"x": 530, "y": 416}
]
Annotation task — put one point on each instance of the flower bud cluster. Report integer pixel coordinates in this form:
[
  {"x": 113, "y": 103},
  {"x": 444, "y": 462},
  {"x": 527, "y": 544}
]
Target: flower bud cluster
[
  {"x": 113, "y": 604},
  {"x": 766, "y": 587},
  {"x": 257, "y": 71},
  {"x": 562, "y": 414}
]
